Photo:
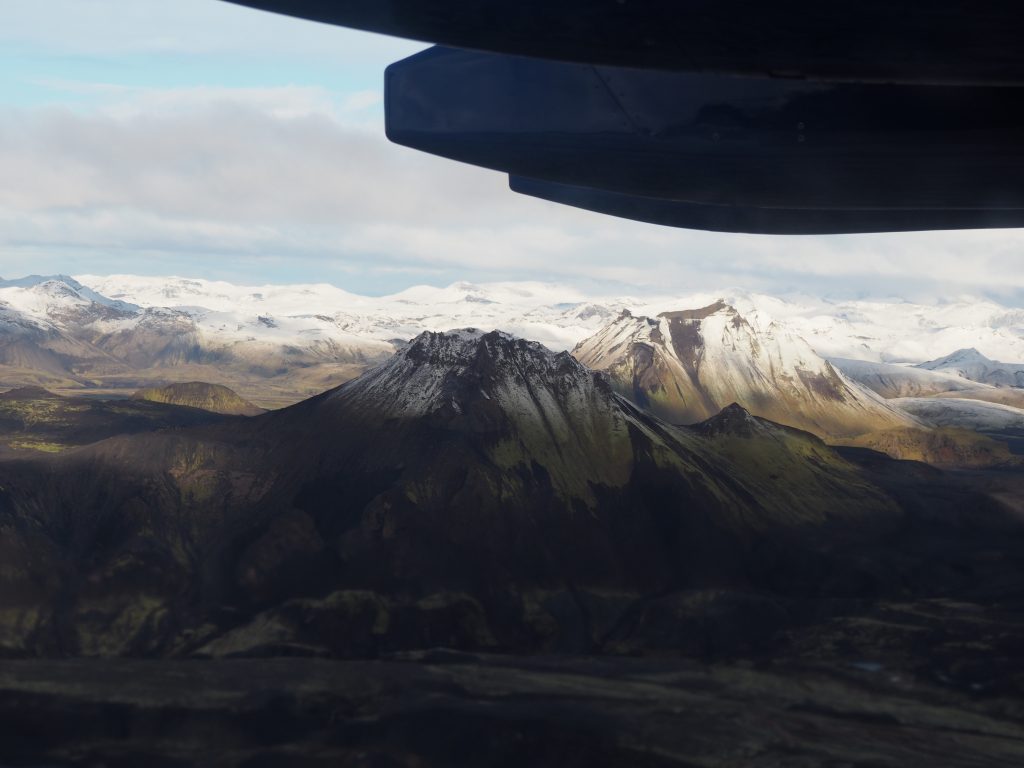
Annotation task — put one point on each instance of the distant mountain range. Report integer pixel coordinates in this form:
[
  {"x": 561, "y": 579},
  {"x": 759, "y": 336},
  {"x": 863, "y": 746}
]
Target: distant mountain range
[
  {"x": 55, "y": 332},
  {"x": 807, "y": 363},
  {"x": 561, "y": 316}
]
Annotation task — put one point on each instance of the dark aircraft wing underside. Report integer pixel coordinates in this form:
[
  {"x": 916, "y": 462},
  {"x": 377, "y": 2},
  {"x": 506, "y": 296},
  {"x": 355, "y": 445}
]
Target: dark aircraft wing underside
[
  {"x": 765, "y": 221},
  {"x": 925, "y": 41},
  {"x": 784, "y": 118}
]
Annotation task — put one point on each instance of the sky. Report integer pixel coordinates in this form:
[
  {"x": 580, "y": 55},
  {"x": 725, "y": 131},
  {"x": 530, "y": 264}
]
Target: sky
[{"x": 201, "y": 139}]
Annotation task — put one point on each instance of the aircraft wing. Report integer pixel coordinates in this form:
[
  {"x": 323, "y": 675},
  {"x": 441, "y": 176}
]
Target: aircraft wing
[{"x": 923, "y": 41}]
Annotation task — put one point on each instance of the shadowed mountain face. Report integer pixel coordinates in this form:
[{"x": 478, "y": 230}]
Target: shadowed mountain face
[
  {"x": 475, "y": 491},
  {"x": 198, "y": 394},
  {"x": 686, "y": 366}
]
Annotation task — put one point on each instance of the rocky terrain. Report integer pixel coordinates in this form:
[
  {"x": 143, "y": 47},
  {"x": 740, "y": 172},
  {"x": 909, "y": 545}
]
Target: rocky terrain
[
  {"x": 296, "y": 572},
  {"x": 474, "y": 485},
  {"x": 475, "y": 491}
]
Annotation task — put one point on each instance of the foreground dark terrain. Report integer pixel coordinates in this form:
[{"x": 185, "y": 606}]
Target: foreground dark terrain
[
  {"x": 611, "y": 589},
  {"x": 445, "y": 709}
]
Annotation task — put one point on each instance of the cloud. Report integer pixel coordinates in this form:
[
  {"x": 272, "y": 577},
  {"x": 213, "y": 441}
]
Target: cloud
[
  {"x": 278, "y": 102},
  {"x": 297, "y": 182},
  {"x": 110, "y": 28}
]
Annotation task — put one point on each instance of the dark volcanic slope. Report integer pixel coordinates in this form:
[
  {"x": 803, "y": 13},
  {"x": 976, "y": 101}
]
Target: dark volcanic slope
[{"x": 474, "y": 491}]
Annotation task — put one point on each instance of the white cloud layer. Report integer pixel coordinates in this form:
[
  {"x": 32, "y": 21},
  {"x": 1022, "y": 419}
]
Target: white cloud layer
[{"x": 297, "y": 183}]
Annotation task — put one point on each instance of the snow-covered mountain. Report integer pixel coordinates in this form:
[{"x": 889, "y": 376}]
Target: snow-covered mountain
[
  {"x": 57, "y": 287},
  {"x": 687, "y": 365},
  {"x": 280, "y": 343},
  {"x": 897, "y": 331},
  {"x": 890, "y": 380},
  {"x": 556, "y": 316},
  {"x": 452, "y": 370},
  {"x": 964, "y": 414},
  {"x": 970, "y": 364},
  {"x": 560, "y": 316},
  {"x": 57, "y": 332}
]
